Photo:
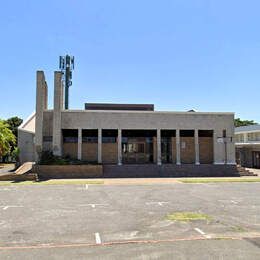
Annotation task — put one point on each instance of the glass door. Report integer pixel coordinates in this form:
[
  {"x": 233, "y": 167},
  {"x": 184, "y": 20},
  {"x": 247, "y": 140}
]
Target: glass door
[{"x": 256, "y": 160}]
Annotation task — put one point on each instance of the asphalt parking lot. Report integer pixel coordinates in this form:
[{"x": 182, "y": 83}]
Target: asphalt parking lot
[{"x": 129, "y": 221}]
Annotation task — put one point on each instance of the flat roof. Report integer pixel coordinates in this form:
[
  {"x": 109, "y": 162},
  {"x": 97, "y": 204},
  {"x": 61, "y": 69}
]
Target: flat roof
[
  {"x": 114, "y": 106},
  {"x": 248, "y": 128},
  {"x": 142, "y": 112}
]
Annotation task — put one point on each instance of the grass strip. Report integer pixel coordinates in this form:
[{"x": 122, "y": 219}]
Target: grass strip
[
  {"x": 187, "y": 216},
  {"x": 218, "y": 180}
]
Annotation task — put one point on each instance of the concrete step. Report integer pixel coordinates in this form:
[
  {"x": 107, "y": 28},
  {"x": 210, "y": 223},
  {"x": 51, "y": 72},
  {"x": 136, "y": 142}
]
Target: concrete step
[{"x": 244, "y": 172}]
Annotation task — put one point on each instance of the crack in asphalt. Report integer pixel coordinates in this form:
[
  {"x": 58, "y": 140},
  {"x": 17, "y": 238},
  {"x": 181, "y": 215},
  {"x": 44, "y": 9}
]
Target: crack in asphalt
[{"x": 194, "y": 238}]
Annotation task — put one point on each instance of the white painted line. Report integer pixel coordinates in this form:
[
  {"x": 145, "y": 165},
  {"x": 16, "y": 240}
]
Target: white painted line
[
  {"x": 160, "y": 203},
  {"x": 233, "y": 201},
  {"x": 98, "y": 239},
  {"x": 86, "y": 186},
  {"x": 92, "y": 205},
  {"x": 9, "y": 206},
  {"x": 202, "y": 232}
]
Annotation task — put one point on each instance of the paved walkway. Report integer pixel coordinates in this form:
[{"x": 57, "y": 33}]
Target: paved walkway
[
  {"x": 7, "y": 168},
  {"x": 127, "y": 181}
]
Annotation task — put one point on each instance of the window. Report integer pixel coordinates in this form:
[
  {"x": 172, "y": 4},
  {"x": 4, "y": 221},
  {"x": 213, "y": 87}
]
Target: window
[
  {"x": 107, "y": 139},
  {"x": 239, "y": 138},
  {"x": 253, "y": 136},
  {"x": 89, "y": 139}
]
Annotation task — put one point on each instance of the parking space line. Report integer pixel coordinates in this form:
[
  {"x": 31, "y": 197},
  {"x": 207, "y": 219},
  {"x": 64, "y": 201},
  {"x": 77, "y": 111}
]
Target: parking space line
[
  {"x": 202, "y": 232},
  {"x": 10, "y": 206},
  {"x": 98, "y": 239},
  {"x": 92, "y": 205},
  {"x": 199, "y": 231},
  {"x": 86, "y": 186},
  {"x": 160, "y": 203}
]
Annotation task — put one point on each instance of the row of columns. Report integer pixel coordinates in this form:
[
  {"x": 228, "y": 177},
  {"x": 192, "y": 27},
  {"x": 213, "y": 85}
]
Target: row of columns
[{"x": 159, "y": 153}]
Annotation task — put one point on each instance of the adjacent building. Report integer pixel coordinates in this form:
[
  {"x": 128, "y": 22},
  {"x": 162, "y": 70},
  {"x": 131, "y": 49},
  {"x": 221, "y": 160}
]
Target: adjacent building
[
  {"x": 124, "y": 134},
  {"x": 247, "y": 140}
]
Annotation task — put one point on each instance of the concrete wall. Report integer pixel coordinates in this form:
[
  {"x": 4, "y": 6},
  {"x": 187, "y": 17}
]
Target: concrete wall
[
  {"x": 158, "y": 120},
  {"x": 26, "y": 146}
]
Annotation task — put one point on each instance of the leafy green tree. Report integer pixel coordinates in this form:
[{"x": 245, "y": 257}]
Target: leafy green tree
[
  {"x": 13, "y": 123},
  {"x": 7, "y": 138},
  {"x": 239, "y": 122}
]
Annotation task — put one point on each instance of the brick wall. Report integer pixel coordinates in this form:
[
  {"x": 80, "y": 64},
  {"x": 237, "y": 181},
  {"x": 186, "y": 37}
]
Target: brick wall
[
  {"x": 90, "y": 152},
  {"x": 68, "y": 171},
  {"x": 71, "y": 150},
  {"x": 109, "y": 152},
  {"x": 206, "y": 150},
  {"x": 187, "y": 150}
]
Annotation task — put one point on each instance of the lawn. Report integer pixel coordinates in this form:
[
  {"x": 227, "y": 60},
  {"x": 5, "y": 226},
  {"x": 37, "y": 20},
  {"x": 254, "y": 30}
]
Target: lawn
[
  {"x": 187, "y": 216},
  {"x": 218, "y": 180}
]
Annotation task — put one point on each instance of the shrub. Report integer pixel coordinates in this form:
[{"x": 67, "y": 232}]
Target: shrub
[{"x": 47, "y": 157}]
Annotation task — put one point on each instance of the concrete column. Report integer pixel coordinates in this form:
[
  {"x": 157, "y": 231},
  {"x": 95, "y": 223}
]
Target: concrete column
[
  {"x": 99, "y": 145},
  {"x": 219, "y": 151},
  {"x": 178, "y": 147},
  {"x": 159, "y": 154},
  {"x": 119, "y": 147},
  {"x": 79, "y": 144},
  {"x": 245, "y": 137},
  {"x": 230, "y": 146},
  {"x": 197, "y": 149},
  {"x": 57, "y": 107}
]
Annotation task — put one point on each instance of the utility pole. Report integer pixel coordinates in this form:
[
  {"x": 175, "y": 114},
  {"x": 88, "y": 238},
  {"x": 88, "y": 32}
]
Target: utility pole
[{"x": 66, "y": 66}]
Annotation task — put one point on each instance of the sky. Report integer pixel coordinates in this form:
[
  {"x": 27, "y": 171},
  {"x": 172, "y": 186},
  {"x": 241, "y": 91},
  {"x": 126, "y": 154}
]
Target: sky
[{"x": 179, "y": 55}]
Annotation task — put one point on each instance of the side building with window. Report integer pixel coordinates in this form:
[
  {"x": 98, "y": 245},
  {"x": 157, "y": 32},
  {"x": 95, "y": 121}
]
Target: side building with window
[
  {"x": 121, "y": 135},
  {"x": 247, "y": 140}
]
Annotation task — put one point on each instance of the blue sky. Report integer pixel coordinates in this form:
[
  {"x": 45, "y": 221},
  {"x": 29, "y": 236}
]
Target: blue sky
[{"x": 176, "y": 54}]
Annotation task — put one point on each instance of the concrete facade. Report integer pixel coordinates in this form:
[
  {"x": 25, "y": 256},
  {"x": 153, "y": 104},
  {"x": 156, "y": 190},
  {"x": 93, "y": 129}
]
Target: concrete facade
[
  {"x": 26, "y": 138},
  {"x": 50, "y": 124}
]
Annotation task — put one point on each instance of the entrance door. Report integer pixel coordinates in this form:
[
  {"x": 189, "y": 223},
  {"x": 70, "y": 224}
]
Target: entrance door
[{"x": 256, "y": 160}]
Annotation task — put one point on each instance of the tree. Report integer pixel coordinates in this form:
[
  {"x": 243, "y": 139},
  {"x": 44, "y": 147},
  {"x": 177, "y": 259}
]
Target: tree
[
  {"x": 7, "y": 138},
  {"x": 239, "y": 122},
  {"x": 13, "y": 123}
]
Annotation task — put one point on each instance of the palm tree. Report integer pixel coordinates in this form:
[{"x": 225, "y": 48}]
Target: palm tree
[{"x": 6, "y": 138}]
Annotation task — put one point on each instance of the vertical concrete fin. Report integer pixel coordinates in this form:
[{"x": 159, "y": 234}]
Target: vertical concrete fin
[
  {"x": 197, "y": 148},
  {"x": 231, "y": 150},
  {"x": 45, "y": 95},
  {"x": 40, "y": 106},
  {"x": 57, "y": 107}
]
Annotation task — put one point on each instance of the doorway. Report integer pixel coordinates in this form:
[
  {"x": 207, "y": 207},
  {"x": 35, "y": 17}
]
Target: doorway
[{"x": 256, "y": 160}]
